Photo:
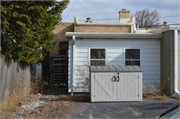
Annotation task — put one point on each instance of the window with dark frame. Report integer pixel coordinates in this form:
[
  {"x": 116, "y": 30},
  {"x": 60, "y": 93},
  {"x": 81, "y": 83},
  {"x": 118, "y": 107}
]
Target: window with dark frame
[
  {"x": 97, "y": 57},
  {"x": 132, "y": 57}
]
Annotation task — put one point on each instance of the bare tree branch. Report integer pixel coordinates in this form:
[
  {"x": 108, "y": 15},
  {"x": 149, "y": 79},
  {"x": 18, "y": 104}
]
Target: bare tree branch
[{"x": 147, "y": 19}]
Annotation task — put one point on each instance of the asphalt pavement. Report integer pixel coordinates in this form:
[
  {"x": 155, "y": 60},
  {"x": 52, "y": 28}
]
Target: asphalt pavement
[{"x": 144, "y": 109}]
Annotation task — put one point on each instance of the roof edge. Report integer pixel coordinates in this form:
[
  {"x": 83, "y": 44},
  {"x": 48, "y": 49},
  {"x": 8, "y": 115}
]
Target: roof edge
[
  {"x": 103, "y": 23},
  {"x": 112, "y": 35},
  {"x": 165, "y": 28}
]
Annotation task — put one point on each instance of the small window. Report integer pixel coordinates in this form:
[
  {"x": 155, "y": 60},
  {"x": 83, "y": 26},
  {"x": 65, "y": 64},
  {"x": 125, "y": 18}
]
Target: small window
[
  {"x": 97, "y": 57},
  {"x": 132, "y": 57}
]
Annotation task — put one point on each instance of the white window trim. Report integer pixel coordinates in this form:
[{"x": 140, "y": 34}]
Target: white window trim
[
  {"x": 97, "y": 59},
  {"x": 133, "y": 59}
]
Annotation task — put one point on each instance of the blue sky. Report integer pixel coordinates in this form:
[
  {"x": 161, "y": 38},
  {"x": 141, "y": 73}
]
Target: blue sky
[{"x": 108, "y": 9}]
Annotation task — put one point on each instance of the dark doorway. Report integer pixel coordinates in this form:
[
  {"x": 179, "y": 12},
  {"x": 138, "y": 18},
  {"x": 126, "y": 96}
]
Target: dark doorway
[{"x": 60, "y": 64}]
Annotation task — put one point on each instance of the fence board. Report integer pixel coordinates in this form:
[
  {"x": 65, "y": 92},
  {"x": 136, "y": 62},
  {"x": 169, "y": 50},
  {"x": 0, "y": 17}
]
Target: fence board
[{"x": 11, "y": 73}]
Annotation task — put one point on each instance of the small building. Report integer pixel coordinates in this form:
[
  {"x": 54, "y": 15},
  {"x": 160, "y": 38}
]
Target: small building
[{"x": 110, "y": 44}]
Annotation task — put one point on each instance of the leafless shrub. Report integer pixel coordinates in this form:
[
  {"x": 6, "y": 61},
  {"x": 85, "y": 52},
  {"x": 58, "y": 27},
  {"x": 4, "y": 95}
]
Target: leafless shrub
[
  {"x": 36, "y": 85},
  {"x": 154, "y": 93}
]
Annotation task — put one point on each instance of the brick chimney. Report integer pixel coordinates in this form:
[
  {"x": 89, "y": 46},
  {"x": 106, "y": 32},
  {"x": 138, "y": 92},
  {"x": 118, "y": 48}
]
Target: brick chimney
[{"x": 124, "y": 16}]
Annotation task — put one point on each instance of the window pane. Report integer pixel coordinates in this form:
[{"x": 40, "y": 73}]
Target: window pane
[
  {"x": 132, "y": 53},
  {"x": 97, "y": 53},
  {"x": 133, "y": 63},
  {"x": 97, "y": 62}
]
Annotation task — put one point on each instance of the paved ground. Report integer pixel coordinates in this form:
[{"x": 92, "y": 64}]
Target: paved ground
[{"x": 145, "y": 109}]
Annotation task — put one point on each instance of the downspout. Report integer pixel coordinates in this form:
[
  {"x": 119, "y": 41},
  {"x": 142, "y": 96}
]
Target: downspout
[
  {"x": 176, "y": 62},
  {"x": 137, "y": 27},
  {"x": 131, "y": 28},
  {"x": 73, "y": 66}
]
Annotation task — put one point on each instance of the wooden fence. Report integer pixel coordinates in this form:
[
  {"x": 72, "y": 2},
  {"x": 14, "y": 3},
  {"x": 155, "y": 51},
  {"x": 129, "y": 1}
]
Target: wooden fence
[{"x": 12, "y": 72}]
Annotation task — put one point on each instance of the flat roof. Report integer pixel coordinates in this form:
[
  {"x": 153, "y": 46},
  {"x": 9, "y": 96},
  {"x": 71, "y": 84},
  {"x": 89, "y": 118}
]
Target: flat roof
[{"x": 112, "y": 35}]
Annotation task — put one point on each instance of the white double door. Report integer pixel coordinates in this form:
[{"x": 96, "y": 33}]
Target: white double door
[{"x": 116, "y": 87}]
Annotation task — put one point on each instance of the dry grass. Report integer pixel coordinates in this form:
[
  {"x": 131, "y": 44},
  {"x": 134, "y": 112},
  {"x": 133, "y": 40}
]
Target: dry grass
[
  {"x": 26, "y": 93},
  {"x": 154, "y": 93},
  {"x": 16, "y": 94},
  {"x": 13, "y": 97},
  {"x": 60, "y": 107},
  {"x": 52, "y": 109},
  {"x": 36, "y": 86}
]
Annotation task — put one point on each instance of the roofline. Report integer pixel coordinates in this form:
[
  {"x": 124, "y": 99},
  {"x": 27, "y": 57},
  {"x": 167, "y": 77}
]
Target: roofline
[
  {"x": 174, "y": 27},
  {"x": 102, "y": 23},
  {"x": 165, "y": 28},
  {"x": 112, "y": 35},
  {"x": 96, "y": 23},
  {"x": 66, "y": 22}
]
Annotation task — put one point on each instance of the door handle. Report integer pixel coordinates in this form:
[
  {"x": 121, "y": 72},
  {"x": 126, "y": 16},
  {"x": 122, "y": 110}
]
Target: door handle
[
  {"x": 117, "y": 79},
  {"x": 114, "y": 78}
]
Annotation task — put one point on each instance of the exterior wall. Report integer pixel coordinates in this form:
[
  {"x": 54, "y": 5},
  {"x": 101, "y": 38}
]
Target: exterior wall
[
  {"x": 167, "y": 62},
  {"x": 103, "y": 28},
  {"x": 150, "y": 58},
  {"x": 60, "y": 31}
]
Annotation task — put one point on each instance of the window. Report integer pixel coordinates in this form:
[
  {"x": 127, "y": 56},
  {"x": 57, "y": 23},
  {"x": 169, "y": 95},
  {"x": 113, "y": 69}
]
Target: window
[
  {"x": 132, "y": 57},
  {"x": 97, "y": 57}
]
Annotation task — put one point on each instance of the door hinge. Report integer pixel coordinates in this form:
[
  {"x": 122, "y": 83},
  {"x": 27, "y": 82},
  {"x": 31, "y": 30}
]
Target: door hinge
[
  {"x": 138, "y": 76},
  {"x": 94, "y": 96},
  {"x": 138, "y": 95}
]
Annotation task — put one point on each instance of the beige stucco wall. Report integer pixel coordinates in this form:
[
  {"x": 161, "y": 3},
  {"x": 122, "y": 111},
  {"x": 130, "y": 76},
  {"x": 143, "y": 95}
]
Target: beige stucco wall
[
  {"x": 59, "y": 31},
  {"x": 103, "y": 28},
  {"x": 167, "y": 62}
]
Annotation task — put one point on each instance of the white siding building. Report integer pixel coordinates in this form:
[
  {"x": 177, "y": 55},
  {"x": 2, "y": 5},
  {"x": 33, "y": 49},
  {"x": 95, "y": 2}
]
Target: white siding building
[{"x": 114, "y": 47}]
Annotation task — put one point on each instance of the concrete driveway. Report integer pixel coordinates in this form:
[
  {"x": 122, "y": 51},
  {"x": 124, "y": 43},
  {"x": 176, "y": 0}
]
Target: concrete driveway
[{"x": 145, "y": 109}]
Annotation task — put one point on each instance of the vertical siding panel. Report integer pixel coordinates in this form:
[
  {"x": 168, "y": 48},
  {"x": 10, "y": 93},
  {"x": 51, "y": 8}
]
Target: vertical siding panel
[
  {"x": 100, "y": 90},
  {"x": 108, "y": 84},
  {"x": 95, "y": 87},
  {"x": 126, "y": 80},
  {"x": 132, "y": 91},
  {"x": 103, "y": 79},
  {"x": 122, "y": 85},
  {"x": 135, "y": 89},
  {"x": 101, "y": 87},
  {"x": 129, "y": 81}
]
